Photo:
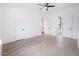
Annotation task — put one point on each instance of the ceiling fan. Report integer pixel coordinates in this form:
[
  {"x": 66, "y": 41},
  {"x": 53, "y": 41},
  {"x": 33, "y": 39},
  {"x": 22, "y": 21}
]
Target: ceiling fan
[{"x": 46, "y": 6}]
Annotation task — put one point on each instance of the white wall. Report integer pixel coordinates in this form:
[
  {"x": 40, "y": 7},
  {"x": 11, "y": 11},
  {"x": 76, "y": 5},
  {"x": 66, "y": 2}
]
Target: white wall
[
  {"x": 70, "y": 13},
  {"x": 16, "y": 17},
  {"x": 29, "y": 20},
  {"x": 47, "y": 23},
  {"x": 1, "y": 22}
]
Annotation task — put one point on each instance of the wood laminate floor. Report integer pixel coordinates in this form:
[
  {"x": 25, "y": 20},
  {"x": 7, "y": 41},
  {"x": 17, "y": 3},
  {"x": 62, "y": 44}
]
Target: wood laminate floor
[{"x": 42, "y": 45}]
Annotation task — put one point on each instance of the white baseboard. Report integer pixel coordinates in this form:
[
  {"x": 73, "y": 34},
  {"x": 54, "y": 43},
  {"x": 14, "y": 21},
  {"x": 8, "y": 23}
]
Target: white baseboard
[{"x": 33, "y": 35}]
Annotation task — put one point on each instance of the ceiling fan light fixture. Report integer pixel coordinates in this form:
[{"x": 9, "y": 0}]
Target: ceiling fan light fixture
[{"x": 46, "y": 6}]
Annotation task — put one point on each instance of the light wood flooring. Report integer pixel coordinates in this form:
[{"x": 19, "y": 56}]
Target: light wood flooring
[{"x": 42, "y": 45}]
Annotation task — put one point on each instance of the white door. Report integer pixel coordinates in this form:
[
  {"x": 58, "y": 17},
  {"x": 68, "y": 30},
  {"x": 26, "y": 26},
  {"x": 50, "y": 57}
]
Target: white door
[{"x": 67, "y": 25}]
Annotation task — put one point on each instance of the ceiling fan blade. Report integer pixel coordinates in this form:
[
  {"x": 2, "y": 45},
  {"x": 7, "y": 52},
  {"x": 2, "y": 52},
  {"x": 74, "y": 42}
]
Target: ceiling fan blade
[
  {"x": 51, "y": 6},
  {"x": 41, "y": 8},
  {"x": 40, "y": 4},
  {"x": 46, "y": 4}
]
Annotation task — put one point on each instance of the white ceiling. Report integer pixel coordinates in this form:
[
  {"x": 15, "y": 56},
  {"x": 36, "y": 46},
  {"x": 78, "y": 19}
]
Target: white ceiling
[
  {"x": 34, "y": 6},
  {"x": 59, "y": 6}
]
